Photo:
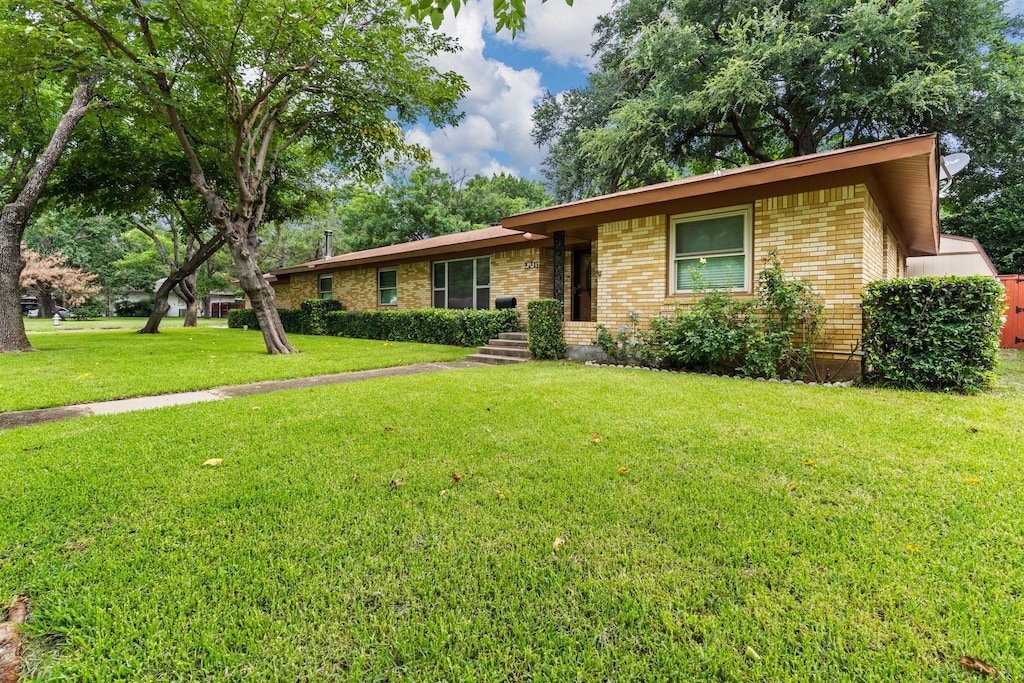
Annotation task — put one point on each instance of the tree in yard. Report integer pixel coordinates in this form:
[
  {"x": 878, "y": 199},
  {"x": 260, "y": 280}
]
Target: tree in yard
[
  {"x": 695, "y": 85},
  {"x": 50, "y": 277},
  {"x": 47, "y": 88},
  {"x": 427, "y": 202},
  {"x": 241, "y": 85}
]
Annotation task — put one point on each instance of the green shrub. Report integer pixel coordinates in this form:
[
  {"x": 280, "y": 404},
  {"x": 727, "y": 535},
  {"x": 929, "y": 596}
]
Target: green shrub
[
  {"x": 544, "y": 320},
  {"x": 239, "y": 317},
  {"x": 135, "y": 309},
  {"x": 767, "y": 336},
  {"x": 311, "y": 320},
  {"x": 934, "y": 333},
  {"x": 428, "y": 325}
]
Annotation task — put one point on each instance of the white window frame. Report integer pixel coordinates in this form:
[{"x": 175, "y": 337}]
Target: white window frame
[
  {"x": 330, "y": 289},
  {"x": 476, "y": 283},
  {"x": 747, "y": 211},
  {"x": 381, "y": 289}
]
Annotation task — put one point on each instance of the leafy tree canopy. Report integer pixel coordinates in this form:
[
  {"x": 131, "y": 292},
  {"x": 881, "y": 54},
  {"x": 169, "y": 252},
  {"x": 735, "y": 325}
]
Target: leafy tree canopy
[
  {"x": 427, "y": 202},
  {"x": 510, "y": 14},
  {"x": 690, "y": 85}
]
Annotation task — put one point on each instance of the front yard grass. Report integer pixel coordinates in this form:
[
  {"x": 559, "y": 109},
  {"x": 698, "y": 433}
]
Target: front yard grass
[
  {"x": 86, "y": 366},
  {"x": 714, "y": 529}
]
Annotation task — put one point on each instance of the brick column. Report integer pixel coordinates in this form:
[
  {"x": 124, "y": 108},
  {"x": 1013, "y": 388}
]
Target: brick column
[{"x": 559, "y": 248}]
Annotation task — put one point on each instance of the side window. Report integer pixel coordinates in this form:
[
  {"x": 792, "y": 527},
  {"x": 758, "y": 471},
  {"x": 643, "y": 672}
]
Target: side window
[
  {"x": 326, "y": 286},
  {"x": 387, "y": 287}
]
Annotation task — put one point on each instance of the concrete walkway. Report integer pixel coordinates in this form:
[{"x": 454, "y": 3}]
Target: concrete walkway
[{"x": 23, "y": 418}]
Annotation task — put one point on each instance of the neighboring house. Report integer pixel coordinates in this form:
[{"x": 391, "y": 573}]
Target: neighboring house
[
  {"x": 837, "y": 219},
  {"x": 957, "y": 256},
  {"x": 220, "y": 302}
]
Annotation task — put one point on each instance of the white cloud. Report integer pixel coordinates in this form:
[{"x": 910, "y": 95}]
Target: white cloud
[
  {"x": 562, "y": 32},
  {"x": 498, "y": 106}
]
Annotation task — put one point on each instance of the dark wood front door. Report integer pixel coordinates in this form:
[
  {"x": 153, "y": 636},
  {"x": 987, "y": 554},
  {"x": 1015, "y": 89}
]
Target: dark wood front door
[{"x": 581, "y": 285}]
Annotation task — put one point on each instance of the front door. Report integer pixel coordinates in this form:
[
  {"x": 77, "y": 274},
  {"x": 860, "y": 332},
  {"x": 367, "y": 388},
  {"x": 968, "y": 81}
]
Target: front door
[{"x": 581, "y": 285}]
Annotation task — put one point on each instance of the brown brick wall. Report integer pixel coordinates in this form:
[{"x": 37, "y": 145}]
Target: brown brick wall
[
  {"x": 356, "y": 288},
  {"x": 297, "y": 289},
  {"x": 820, "y": 236},
  {"x": 511, "y": 277}
]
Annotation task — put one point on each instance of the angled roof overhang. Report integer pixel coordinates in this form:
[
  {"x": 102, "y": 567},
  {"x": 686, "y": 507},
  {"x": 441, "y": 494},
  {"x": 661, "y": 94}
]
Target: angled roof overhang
[
  {"x": 902, "y": 176},
  {"x": 456, "y": 244}
]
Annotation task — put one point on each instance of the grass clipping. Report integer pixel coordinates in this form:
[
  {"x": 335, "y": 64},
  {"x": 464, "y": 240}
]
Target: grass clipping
[{"x": 10, "y": 640}]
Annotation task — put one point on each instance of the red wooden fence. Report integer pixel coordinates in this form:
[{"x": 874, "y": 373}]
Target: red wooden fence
[{"x": 1012, "y": 336}]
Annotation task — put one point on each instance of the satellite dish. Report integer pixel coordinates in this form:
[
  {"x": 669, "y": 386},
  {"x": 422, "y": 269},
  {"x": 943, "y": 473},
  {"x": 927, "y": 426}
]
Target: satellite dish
[{"x": 949, "y": 166}]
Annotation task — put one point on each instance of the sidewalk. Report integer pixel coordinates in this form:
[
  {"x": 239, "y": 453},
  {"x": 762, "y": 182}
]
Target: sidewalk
[{"x": 23, "y": 418}]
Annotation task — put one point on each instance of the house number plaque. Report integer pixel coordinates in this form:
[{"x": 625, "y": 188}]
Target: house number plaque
[{"x": 530, "y": 265}]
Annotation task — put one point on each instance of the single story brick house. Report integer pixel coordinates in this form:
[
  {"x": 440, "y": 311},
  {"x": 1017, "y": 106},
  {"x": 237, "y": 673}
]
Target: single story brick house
[{"x": 839, "y": 219}]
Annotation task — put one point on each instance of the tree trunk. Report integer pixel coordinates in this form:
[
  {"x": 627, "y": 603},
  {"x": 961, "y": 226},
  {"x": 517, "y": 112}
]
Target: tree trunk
[
  {"x": 160, "y": 308},
  {"x": 175, "y": 279},
  {"x": 15, "y": 216},
  {"x": 12, "y": 325},
  {"x": 190, "y": 295},
  {"x": 46, "y": 306},
  {"x": 259, "y": 291}
]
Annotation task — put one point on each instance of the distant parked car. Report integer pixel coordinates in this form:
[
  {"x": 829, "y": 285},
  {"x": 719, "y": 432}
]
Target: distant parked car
[
  {"x": 65, "y": 313},
  {"x": 30, "y": 309}
]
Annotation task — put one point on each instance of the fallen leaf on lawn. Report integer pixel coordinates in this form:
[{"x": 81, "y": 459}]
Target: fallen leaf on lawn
[
  {"x": 807, "y": 463},
  {"x": 17, "y": 613},
  {"x": 256, "y": 408},
  {"x": 396, "y": 482},
  {"x": 974, "y": 664},
  {"x": 911, "y": 548},
  {"x": 972, "y": 430},
  {"x": 792, "y": 487},
  {"x": 623, "y": 470},
  {"x": 355, "y": 478},
  {"x": 752, "y": 653},
  {"x": 444, "y": 492},
  {"x": 596, "y": 438},
  {"x": 973, "y": 480},
  {"x": 390, "y": 429},
  {"x": 213, "y": 462},
  {"x": 456, "y": 477},
  {"x": 559, "y": 542},
  {"x": 34, "y": 448},
  {"x": 501, "y": 496},
  {"x": 85, "y": 375}
]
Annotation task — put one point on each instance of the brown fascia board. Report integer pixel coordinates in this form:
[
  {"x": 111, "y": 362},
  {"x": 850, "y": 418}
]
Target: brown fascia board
[
  {"x": 407, "y": 255},
  {"x": 815, "y": 171}
]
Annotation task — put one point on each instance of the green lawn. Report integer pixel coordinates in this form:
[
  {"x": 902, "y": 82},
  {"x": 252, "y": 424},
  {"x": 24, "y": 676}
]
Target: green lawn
[
  {"x": 715, "y": 529},
  {"x": 46, "y": 324},
  {"x": 78, "y": 367}
]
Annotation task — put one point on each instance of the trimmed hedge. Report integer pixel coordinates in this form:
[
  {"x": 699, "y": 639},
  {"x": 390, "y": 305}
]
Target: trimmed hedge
[
  {"x": 312, "y": 315},
  {"x": 239, "y": 317},
  {"x": 545, "y": 325},
  {"x": 428, "y": 325},
  {"x": 933, "y": 333}
]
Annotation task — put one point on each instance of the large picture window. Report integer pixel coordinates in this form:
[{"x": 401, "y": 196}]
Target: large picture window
[
  {"x": 326, "y": 286},
  {"x": 465, "y": 283},
  {"x": 717, "y": 243},
  {"x": 387, "y": 287}
]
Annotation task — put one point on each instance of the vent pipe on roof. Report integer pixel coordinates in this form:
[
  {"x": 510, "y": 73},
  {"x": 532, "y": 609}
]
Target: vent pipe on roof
[{"x": 328, "y": 234}]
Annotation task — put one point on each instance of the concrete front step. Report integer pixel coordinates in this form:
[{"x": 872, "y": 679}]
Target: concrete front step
[
  {"x": 513, "y": 336},
  {"x": 494, "y": 360},
  {"x": 511, "y": 352},
  {"x": 509, "y": 343}
]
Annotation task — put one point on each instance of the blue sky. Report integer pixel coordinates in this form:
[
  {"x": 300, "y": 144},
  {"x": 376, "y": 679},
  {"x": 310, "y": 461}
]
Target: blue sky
[{"x": 505, "y": 79}]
